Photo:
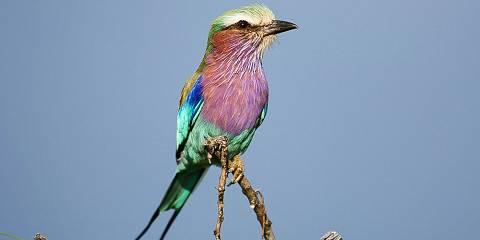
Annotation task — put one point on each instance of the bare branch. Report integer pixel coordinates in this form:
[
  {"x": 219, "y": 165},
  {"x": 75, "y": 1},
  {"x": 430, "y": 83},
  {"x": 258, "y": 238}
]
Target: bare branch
[
  {"x": 218, "y": 147},
  {"x": 255, "y": 199},
  {"x": 39, "y": 236},
  {"x": 331, "y": 236}
]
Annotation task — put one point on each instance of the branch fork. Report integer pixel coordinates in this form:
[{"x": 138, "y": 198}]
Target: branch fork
[{"x": 217, "y": 147}]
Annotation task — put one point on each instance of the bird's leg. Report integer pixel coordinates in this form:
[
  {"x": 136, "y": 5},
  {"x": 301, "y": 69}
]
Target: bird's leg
[{"x": 236, "y": 167}]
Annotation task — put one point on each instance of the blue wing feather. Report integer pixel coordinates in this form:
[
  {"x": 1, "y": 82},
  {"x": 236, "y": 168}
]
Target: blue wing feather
[{"x": 188, "y": 114}]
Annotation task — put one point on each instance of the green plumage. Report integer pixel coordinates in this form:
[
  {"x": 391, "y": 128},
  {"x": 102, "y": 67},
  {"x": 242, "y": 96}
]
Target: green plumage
[
  {"x": 195, "y": 152},
  {"x": 180, "y": 189},
  {"x": 177, "y": 194}
]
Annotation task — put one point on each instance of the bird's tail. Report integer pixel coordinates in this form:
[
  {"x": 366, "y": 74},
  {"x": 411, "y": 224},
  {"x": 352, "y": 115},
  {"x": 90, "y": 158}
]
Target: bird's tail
[{"x": 177, "y": 194}]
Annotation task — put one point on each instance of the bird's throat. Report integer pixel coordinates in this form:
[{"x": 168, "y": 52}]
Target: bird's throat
[{"x": 234, "y": 86}]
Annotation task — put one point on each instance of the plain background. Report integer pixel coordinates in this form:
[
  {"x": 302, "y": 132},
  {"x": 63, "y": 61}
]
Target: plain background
[{"x": 373, "y": 124}]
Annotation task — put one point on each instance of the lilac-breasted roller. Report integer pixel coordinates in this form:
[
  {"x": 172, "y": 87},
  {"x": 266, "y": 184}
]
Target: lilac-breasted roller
[{"x": 226, "y": 96}]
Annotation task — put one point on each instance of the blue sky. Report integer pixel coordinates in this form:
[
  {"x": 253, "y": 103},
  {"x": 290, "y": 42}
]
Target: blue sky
[{"x": 372, "y": 127}]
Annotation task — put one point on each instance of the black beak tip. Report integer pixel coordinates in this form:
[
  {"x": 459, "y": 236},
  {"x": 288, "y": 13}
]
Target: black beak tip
[
  {"x": 294, "y": 26},
  {"x": 279, "y": 26}
]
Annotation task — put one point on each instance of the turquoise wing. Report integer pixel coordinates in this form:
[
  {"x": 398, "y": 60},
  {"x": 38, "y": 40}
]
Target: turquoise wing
[{"x": 188, "y": 114}]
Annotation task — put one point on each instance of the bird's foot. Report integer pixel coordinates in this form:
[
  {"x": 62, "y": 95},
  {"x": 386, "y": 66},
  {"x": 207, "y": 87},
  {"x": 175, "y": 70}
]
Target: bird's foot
[
  {"x": 236, "y": 167},
  {"x": 215, "y": 146}
]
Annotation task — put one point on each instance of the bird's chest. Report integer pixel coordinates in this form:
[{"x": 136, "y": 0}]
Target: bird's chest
[{"x": 234, "y": 105}]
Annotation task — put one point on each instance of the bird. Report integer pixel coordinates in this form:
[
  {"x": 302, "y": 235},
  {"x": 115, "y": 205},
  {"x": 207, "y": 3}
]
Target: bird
[{"x": 226, "y": 96}]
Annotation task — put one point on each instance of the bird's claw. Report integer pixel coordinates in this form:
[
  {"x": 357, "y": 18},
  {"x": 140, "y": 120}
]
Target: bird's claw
[
  {"x": 236, "y": 167},
  {"x": 214, "y": 146},
  {"x": 209, "y": 157}
]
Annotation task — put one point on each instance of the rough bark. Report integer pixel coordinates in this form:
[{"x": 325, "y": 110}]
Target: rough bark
[{"x": 217, "y": 147}]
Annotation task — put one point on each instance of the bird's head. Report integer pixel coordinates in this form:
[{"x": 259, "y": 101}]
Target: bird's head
[{"x": 251, "y": 28}]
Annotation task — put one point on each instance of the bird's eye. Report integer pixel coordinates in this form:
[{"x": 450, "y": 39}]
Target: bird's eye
[{"x": 243, "y": 24}]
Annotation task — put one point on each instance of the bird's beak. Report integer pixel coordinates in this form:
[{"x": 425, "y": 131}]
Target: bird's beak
[{"x": 278, "y": 26}]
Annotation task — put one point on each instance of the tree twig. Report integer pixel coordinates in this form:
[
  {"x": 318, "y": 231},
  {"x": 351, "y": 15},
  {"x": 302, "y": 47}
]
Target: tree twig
[
  {"x": 39, "y": 236},
  {"x": 331, "y": 236},
  {"x": 255, "y": 199},
  {"x": 218, "y": 147},
  {"x": 10, "y": 236}
]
